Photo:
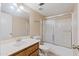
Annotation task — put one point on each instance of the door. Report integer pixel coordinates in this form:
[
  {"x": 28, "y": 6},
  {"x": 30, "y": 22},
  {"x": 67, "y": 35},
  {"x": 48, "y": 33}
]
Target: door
[{"x": 5, "y": 26}]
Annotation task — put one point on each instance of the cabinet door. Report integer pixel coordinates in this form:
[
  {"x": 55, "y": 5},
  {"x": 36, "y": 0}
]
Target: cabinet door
[{"x": 5, "y": 26}]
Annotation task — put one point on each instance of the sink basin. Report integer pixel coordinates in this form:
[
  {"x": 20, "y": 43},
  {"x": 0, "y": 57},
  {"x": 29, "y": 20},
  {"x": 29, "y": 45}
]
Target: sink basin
[{"x": 19, "y": 43}]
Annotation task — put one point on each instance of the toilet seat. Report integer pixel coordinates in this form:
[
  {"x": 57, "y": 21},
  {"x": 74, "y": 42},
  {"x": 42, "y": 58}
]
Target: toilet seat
[{"x": 44, "y": 49}]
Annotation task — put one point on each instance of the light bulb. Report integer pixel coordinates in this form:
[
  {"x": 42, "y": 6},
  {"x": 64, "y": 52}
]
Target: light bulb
[
  {"x": 18, "y": 10},
  {"x": 21, "y": 7},
  {"x": 11, "y": 7}
]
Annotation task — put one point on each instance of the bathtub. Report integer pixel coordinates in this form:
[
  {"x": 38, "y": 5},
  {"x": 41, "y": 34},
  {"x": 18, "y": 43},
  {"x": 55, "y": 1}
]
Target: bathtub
[{"x": 58, "y": 50}]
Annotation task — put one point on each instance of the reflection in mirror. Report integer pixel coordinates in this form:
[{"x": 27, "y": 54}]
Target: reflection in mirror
[{"x": 13, "y": 21}]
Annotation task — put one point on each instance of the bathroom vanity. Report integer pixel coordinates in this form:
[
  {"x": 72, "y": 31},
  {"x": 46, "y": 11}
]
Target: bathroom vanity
[
  {"x": 24, "y": 47},
  {"x": 32, "y": 50}
]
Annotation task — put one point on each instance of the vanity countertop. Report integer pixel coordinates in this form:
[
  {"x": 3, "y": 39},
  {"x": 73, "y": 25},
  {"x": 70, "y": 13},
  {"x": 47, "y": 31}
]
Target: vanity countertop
[{"x": 13, "y": 46}]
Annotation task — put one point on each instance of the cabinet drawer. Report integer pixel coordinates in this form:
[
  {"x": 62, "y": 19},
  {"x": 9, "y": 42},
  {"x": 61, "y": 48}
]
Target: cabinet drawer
[
  {"x": 32, "y": 49},
  {"x": 36, "y": 53},
  {"x": 21, "y": 54}
]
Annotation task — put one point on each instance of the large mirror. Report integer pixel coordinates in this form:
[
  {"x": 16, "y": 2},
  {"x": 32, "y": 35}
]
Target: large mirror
[{"x": 14, "y": 21}]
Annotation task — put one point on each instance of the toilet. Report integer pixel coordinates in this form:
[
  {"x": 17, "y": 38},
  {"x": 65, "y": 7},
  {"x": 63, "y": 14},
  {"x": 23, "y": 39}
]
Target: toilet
[
  {"x": 44, "y": 50},
  {"x": 47, "y": 50}
]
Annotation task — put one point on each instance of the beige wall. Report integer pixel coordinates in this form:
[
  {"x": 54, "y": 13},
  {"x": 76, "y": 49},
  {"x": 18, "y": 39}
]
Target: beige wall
[
  {"x": 74, "y": 25},
  {"x": 78, "y": 20},
  {"x": 75, "y": 17},
  {"x": 19, "y": 26},
  {"x": 75, "y": 28},
  {"x": 35, "y": 23}
]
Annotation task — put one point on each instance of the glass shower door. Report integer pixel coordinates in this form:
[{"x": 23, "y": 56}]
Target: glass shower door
[
  {"x": 48, "y": 31},
  {"x": 63, "y": 32}
]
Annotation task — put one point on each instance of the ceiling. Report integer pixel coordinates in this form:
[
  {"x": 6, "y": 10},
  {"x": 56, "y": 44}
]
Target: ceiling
[
  {"x": 51, "y": 9},
  {"x": 13, "y": 9},
  {"x": 48, "y": 9}
]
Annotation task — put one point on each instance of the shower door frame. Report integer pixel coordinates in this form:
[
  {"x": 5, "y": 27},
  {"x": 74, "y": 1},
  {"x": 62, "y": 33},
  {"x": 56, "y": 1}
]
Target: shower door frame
[{"x": 53, "y": 35}]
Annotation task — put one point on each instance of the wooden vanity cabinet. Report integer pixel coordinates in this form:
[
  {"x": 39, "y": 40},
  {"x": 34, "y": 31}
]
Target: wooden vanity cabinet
[{"x": 32, "y": 50}]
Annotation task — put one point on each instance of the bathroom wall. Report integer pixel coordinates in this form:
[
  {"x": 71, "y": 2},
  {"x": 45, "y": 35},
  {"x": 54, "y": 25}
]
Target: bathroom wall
[
  {"x": 74, "y": 25},
  {"x": 75, "y": 28},
  {"x": 78, "y": 26},
  {"x": 78, "y": 20},
  {"x": 35, "y": 23}
]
